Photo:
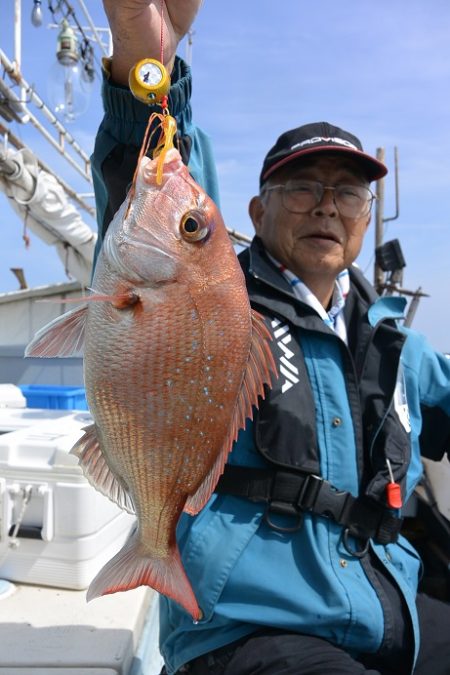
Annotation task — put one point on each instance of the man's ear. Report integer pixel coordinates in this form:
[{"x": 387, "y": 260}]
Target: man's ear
[{"x": 256, "y": 210}]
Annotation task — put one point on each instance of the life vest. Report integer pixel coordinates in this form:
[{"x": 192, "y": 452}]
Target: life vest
[{"x": 285, "y": 423}]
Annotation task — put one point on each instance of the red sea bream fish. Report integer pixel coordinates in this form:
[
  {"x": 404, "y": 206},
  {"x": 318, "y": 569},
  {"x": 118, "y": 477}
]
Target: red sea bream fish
[{"x": 174, "y": 359}]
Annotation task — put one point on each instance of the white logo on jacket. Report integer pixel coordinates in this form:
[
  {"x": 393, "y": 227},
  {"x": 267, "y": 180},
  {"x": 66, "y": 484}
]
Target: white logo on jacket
[
  {"x": 287, "y": 369},
  {"x": 400, "y": 400}
]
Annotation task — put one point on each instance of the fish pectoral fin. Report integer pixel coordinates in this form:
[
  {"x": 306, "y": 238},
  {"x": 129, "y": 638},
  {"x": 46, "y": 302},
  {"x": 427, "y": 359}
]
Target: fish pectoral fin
[
  {"x": 260, "y": 367},
  {"x": 97, "y": 471},
  {"x": 63, "y": 337},
  {"x": 118, "y": 300}
]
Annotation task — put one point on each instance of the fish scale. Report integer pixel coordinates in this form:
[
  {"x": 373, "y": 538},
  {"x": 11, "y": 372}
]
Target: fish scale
[{"x": 174, "y": 360}]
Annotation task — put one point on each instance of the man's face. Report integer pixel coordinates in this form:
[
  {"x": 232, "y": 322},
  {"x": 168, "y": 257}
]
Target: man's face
[{"x": 318, "y": 244}]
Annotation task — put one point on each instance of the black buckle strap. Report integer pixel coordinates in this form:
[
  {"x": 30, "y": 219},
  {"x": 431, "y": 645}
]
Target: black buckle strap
[
  {"x": 320, "y": 497},
  {"x": 308, "y": 493},
  {"x": 292, "y": 494}
]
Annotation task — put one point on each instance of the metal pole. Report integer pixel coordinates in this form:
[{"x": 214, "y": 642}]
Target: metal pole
[
  {"x": 189, "y": 43},
  {"x": 397, "y": 199},
  {"x": 18, "y": 43},
  {"x": 239, "y": 238},
  {"x": 64, "y": 135},
  {"x": 413, "y": 305},
  {"x": 17, "y": 33},
  {"x": 92, "y": 27},
  {"x": 378, "y": 277}
]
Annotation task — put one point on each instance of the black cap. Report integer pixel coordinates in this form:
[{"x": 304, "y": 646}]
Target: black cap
[{"x": 314, "y": 138}]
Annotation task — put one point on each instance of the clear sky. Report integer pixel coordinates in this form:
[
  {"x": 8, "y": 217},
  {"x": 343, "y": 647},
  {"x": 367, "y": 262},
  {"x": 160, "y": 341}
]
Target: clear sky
[{"x": 379, "y": 69}]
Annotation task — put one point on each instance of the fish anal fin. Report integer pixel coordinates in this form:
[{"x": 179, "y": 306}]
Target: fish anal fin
[
  {"x": 63, "y": 337},
  {"x": 97, "y": 471},
  {"x": 132, "y": 567},
  {"x": 260, "y": 365}
]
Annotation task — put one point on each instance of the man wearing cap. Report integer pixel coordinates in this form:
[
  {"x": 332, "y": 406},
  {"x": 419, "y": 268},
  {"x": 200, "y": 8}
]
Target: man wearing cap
[{"x": 297, "y": 561}]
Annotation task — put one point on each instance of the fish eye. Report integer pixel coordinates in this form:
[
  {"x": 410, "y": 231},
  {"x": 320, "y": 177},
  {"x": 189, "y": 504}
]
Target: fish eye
[
  {"x": 190, "y": 225},
  {"x": 193, "y": 227}
]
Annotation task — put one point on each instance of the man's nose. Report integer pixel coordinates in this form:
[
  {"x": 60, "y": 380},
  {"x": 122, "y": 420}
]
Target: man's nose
[{"x": 327, "y": 205}]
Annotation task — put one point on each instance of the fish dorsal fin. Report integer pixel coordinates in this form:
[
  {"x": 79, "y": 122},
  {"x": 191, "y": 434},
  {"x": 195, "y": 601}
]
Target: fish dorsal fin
[
  {"x": 260, "y": 365},
  {"x": 97, "y": 471},
  {"x": 63, "y": 337}
]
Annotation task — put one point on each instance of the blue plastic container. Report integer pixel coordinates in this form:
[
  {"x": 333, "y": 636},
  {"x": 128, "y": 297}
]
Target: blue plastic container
[{"x": 52, "y": 396}]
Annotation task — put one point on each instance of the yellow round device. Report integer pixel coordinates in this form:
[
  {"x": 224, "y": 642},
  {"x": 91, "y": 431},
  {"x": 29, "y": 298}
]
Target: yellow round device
[{"x": 149, "y": 81}]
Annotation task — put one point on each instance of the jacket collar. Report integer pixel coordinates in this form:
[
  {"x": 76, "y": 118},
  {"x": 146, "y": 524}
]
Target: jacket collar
[
  {"x": 261, "y": 267},
  {"x": 378, "y": 308},
  {"x": 270, "y": 290}
]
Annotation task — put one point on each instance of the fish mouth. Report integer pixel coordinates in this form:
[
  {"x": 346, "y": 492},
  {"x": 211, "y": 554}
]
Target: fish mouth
[{"x": 172, "y": 165}]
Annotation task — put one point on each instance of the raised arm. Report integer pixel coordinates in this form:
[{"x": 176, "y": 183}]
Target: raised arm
[{"x": 136, "y": 31}]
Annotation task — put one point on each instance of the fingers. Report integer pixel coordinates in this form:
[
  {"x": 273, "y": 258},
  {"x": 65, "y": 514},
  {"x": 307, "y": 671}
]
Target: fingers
[{"x": 136, "y": 31}]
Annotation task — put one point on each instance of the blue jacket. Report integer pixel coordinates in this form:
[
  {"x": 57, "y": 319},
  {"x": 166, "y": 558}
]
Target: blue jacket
[{"x": 244, "y": 574}]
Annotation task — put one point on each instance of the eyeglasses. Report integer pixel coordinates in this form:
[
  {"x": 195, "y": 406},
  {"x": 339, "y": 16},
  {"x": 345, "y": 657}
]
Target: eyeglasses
[{"x": 301, "y": 196}]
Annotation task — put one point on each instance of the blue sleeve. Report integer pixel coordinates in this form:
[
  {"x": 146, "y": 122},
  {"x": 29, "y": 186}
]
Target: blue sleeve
[
  {"x": 429, "y": 371},
  {"x": 120, "y": 136}
]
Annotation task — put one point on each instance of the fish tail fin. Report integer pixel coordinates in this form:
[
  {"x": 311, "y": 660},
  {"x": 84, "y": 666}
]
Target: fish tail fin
[{"x": 131, "y": 568}]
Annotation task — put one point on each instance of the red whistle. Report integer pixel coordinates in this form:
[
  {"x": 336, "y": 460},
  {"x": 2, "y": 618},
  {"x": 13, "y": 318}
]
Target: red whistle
[
  {"x": 393, "y": 491},
  {"x": 394, "y": 496}
]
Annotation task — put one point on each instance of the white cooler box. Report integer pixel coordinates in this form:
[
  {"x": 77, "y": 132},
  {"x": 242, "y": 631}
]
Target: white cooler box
[{"x": 55, "y": 529}]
